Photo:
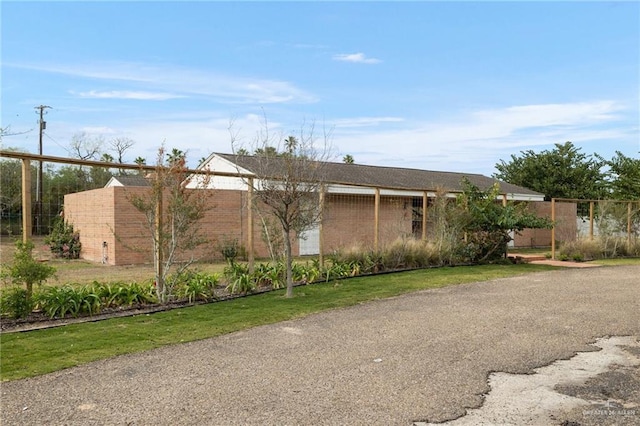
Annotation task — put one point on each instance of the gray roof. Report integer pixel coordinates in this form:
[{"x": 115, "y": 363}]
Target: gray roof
[
  {"x": 132, "y": 180},
  {"x": 390, "y": 177}
]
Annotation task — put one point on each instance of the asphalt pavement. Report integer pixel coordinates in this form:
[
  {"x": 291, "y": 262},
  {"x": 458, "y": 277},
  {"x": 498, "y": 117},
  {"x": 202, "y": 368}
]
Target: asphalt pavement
[{"x": 422, "y": 357}]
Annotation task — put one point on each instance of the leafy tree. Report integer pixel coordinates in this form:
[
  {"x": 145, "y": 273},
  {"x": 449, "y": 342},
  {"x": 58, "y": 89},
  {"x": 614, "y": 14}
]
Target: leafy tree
[
  {"x": 287, "y": 185},
  {"x": 26, "y": 270},
  {"x": 172, "y": 213},
  {"x": 11, "y": 193},
  {"x": 623, "y": 176},
  {"x": 266, "y": 151},
  {"x": 563, "y": 172},
  {"x": 99, "y": 176},
  {"x": 487, "y": 223},
  {"x": 348, "y": 159}
]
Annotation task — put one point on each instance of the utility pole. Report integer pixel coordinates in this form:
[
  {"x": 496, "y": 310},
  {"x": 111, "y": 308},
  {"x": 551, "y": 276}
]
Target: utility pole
[{"x": 38, "y": 216}]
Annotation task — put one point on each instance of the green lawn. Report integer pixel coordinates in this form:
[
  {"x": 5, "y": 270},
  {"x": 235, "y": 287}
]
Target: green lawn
[
  {"x": 617, "y": 261},
  {"x": 38, "y": 352}
]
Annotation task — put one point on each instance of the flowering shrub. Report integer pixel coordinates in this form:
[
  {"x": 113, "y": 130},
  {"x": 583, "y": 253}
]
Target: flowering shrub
[{"x": 63, "y": 241}]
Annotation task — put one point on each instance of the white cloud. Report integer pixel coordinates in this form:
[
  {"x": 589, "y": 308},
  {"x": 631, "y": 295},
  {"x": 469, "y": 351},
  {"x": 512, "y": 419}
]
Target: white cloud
[
  {"x": 183, "y": 81},
  {"x": 365, "y": 121},
  {"x": 359, "y": 58},
  {"x": 477, "y": 140},
  {"x": 127, "y": 94},
  {"x": 98, "y": 130}
]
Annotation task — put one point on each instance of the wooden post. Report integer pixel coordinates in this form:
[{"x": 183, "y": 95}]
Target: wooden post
[
  {"x": 26, "y": 200},
  {"x": 504, "y": 200},
  {"x": 591, "y": 220},
  {"x": 553, "y": 230},
  {"x": 320, "y": 236},
  {"x": 250, "y": 248},
  {"x": 425, "y": 201},
  {"x": 629, "y": 224},
  {"x": 159, "y": 237},
  {"x": 376, "y": 220}
]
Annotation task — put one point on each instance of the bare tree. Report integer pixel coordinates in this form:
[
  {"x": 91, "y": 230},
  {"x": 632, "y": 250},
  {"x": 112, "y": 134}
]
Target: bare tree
[
  {"x": 6, "y": 131},
  {"x": 290, "y": 174},
  {"x": 172, "y": 213},
  {"x": 84, "y": 147},
  {"x": 119, "y": 146}
]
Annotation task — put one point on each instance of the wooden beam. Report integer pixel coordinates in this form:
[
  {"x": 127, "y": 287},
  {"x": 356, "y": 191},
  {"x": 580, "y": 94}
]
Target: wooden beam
[
  {"x": 320, "y": 228},
  {"x": 629, "y": 224},
  {"x": 250, "y": 245},
  {"x": 591, "y": 220},
  {"x": 376, "y": 220},
  {"x": 425, "y": 203},
  {"x": 26, "y": 200},
  {"x": 159, "y": 237},
  {"x": 553, "y": 230}
]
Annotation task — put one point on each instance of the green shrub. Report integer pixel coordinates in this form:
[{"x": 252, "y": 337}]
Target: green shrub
[
  {"x": 198, "y": 286},
  {"x": 15, "y": 303},
  {"x": 60, "y": 301},
  {"x": 269, "y": 275},
  {"x": 230, "y": 249},
  {"x": 124, "y": 294},
  {"x": 25, "y": 269},
  {"x": 241, "y": 284},
  {"x": 63, "y": 241}
]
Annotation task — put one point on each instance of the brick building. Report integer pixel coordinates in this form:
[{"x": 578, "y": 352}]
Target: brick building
[{"x": 112, "y": 231}]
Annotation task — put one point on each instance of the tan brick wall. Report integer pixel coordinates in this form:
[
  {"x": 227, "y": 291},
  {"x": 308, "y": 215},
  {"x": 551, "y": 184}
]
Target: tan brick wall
[
  {"x": 92, "y": 214},
  {"x": 566, "y": 227},
  {"x": 107, "y": 215},
  {"x": 350, "y": 220}
]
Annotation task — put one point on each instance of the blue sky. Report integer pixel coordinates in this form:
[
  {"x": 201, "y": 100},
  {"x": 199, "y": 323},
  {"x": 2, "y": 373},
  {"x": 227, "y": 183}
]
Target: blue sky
[{"x": 453, "y": 86}]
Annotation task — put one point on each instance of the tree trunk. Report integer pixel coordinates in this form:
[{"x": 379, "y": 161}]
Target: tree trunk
[{"x": 289, "y": 261}]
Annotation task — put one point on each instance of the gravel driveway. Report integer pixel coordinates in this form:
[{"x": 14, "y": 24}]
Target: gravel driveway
[{"x": 425, "y": 356}]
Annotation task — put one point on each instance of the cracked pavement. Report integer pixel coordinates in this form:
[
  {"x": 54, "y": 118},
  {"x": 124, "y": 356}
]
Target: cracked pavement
[{"x": 420, "y": 357}]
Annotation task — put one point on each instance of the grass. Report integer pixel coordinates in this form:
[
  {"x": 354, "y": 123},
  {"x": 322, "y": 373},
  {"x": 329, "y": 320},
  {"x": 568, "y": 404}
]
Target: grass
[
  {"x": 33, "y": 353},
  {"x": 539, "y": 250},
  {"x": 617, "y": 261}
]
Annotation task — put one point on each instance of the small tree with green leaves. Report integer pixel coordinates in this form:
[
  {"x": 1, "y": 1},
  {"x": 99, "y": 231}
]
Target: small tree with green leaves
[
  {"x": 26, "y": 270},
  {"x": 487, "y": 223},
  {"x": 172, "y": 213},
  {"x": 289, "y": 177}
]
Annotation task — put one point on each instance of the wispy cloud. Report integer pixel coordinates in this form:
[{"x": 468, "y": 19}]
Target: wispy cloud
[
  {"x": 359, "y": 58},
  {"x": 126, "y": 94},
  {"x": 477, "y": 140},
  {"x": 365, "y": 121},
  {"x": 181, "y": 81}
]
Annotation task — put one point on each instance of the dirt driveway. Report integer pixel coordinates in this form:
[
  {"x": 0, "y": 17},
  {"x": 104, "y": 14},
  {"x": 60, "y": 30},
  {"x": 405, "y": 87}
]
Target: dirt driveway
[{"x": 421, "y": 357}]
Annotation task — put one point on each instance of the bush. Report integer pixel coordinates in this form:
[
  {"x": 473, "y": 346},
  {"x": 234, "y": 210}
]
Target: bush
[
  {"x": 198, "y": 286},
  {"x": 15, "y": 303},
  {"x": 122, "y": 294},
  {"x": 63, "y": 241},
  {"x": 241, "y": 284},
  {"x": 599, "y": 248},
  {"x": 25, "y": 269},
  {"x": 60, "y": 301},
  {"x": 584, "y": 248}
]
